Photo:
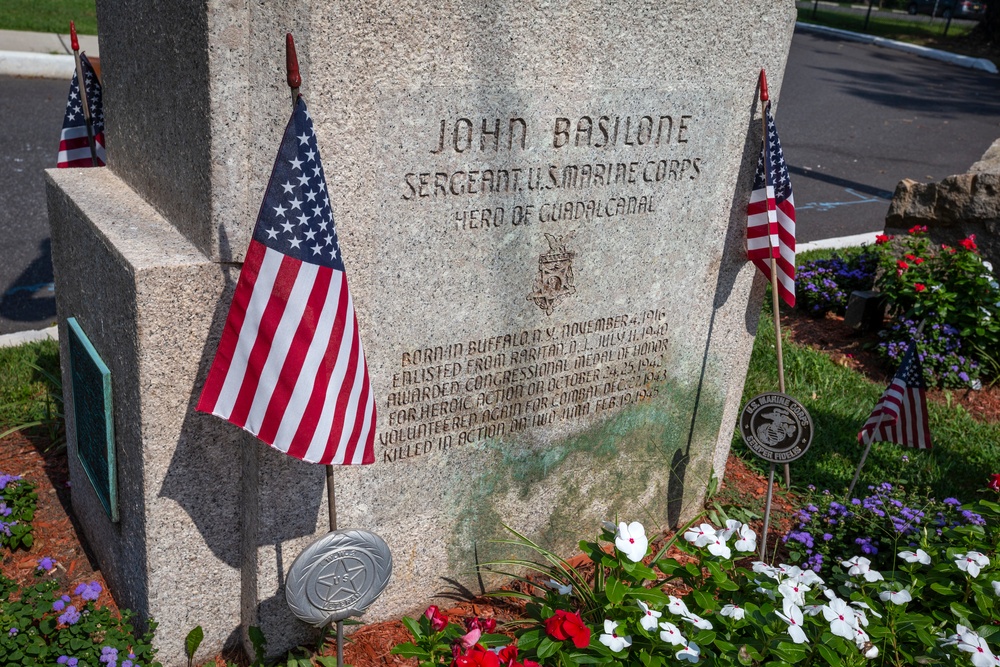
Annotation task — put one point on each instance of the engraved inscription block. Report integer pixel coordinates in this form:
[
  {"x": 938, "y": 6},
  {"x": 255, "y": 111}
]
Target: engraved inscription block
[{"x": 95, "y": 433}]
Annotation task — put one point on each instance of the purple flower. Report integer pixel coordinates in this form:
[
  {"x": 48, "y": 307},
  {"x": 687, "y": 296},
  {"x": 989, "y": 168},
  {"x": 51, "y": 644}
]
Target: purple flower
[
  {"x": 12, "y": 631},
  {"x": 951, "y": 502},
  {"x": 58, "y": 605},
  {"x": 70, "y": 616},
  {"x": 89, "y": 591},
  {"x": 46, "y": 564},
  {"x": 827, "y": 537},
  {"x": 109, "y": 656}
]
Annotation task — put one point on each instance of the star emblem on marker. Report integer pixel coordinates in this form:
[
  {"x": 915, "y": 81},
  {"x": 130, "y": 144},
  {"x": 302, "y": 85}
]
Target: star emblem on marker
[{"x": 340, "y": 580}]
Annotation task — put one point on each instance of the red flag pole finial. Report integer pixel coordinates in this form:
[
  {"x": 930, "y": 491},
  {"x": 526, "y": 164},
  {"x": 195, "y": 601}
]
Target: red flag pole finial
[
  {"x": 763, "y": 87},
  {"x": 72, "y": 36},
  {"x": 292, "y": 62}
]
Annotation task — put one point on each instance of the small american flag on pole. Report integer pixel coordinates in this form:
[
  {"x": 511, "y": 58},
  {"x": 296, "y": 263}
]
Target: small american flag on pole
[
  {"x": 290, "y": 366},
  {"x": 900, "y": 416},
  {"x": 74, "y": 147},
  {"x": 771, "y": 212}
]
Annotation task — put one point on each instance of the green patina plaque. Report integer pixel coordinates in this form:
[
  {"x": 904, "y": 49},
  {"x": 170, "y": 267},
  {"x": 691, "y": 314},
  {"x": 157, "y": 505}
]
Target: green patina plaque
[{"x": 95, "y": 430}]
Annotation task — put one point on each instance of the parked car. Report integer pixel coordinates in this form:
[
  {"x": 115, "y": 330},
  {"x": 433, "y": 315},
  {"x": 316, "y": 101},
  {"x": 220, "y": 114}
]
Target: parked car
[{"x": 959, "y": 9}]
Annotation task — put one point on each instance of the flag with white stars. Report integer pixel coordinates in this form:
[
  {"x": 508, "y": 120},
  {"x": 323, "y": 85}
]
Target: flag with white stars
[
  {"x": 900, "y": 416},
  {"x": 290, "y": 367},
  {"x": 74, "y": 146},
  {"x": 771, "y": 214}
]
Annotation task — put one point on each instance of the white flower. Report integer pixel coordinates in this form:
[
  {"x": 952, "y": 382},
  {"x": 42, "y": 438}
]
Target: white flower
[
  {"x": 864, "y": 605},
  {"x": 698, "y": 622},
  {"x": 810, "y": 578},
  {"x": 793, "y": 616},
  {"x": 649, "y": 616},
  {"x": 860, "y": 637},
  {"x": 631, "y": 541},
  {"x": 861, "y": 565},
  {"x": 765, "y": 591},
  {"x": 735, "y": 611},
  {"x": 972, "y": 562},
  {"x": 671, "y": 634},
  {"x": 920, "y": 556},
  {"x": 690, "y": 652},
  {"x": 996, "y": 588},
  {"x": 732, "y": 527},
  {"x": 558, "y": 587},
  {"x": 677, "y": 606},
  {"x": 989, "y": 267},
  {"x": 841, "y": 618},
  {"x": 896, "y": 597},
  {"x": 872, "y": 651},
  {"x": 790, "y": 570},
  {"x": 952, "y": 640},
  {"x": 981, "y": 656},
  {"x": 717, "y": 547},
  {"x": 812, "y": 609},
  {"x": 794, "y": 590},
  {"x": 700, "y": 535},
  {"x": 763, "y": 568},
  {"x": 747, "y": 541},
  {"x": 611, "y": 639}
]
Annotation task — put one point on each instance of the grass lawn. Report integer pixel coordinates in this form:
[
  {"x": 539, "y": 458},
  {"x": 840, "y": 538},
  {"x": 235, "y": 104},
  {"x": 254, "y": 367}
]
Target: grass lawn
[
  {"x": 49, "y": 15},
  {"x": 916, "y": 32},
  {"x": 965, "y": 451},
  {"x": 24, "y": 390}
]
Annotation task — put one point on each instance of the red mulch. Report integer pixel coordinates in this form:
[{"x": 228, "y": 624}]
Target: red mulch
[{"x": 57, "y": 536}]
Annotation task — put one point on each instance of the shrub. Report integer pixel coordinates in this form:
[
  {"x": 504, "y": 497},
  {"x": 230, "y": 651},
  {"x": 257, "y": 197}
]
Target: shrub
[
  {"x": 37, "y": 628},
  {"x": 826, "y": 284},
  {"x": 747, "y": 613},
  {"x": 875, "y": 525},
  {"x": 17, "y": 509},
  {"x": 943, "y": 285}
]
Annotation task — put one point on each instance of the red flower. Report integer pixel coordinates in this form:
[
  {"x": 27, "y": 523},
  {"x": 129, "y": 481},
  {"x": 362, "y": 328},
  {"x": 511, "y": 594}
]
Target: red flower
[
  {"x": 882, "y": 238},
  {"x": 969, "y": 243},
  {"x": 910, "y": 257},
  {"x": 508, "y": 655},
  {"x": 918, "y": 261},
  {"x": 477, "y": 657},
  {"x": 918, "y": 229},
  {"x": 437, "y": 619},
  {"x": 903, "y": 266},
  {"x": 564, "y": 626},
  {"x": 488, "y": 625},
  {"x": 920, "y": 287},
  {"x": 995, "y": 482}
]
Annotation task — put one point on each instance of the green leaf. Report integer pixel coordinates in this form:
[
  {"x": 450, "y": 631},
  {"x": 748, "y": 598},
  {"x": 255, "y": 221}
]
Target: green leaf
[
  {"x": 490, "y": 641},
  {"x": 704, "y": 600},
  {"x": 693, "y": 570},
  {"x": 585, "y": 659},
  {"x": 615, "y": 590},
  {"x": 790, "y": 652},
  {"x": 547, "y": 648},
  {"x": 409, "y": 650},
  {"x": 327, "y": 660},
  {"x": 831, "y": 658},
  {"x": 193, "y": 641},
  {"x": 412, "y": 626}
]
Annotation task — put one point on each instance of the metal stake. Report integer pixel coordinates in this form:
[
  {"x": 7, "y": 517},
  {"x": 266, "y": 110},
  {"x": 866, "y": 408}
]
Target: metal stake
[{"x": 767, "y": 512}]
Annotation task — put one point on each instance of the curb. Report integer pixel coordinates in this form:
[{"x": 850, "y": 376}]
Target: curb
[
  {"x": 41, "y": 65},
  {"x": 935, "y": 54},
  {"x": 839, "y": 242},
  {"x": 22, "y": 337}
]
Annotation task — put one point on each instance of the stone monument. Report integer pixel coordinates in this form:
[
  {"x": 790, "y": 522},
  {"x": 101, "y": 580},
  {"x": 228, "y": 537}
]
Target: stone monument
[{"x": 542, "y": 214}]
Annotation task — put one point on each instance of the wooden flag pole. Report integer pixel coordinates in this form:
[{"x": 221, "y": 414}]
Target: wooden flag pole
[
  {"x": 75, "y": 42},
  {"x": 764, "y": 97},
  {"x": 295, "y": 82}
]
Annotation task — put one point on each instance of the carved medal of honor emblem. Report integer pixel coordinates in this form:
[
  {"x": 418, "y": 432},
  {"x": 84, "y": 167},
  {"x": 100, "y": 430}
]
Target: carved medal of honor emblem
[
  {"x": 555, "y": 273},
  {"x": 338, "y": 576},
  {"x": 776, "y": 427}
]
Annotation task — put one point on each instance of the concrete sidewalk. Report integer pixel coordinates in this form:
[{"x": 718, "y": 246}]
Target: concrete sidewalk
[{"x": 40, "y": 54}]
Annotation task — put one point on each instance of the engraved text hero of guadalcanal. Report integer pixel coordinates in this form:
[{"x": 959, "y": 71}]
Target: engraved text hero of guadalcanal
[{"x": 776, "y": 427}]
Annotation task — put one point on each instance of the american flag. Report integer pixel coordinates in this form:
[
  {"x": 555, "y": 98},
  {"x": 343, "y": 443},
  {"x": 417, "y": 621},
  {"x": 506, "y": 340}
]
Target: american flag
[
  {"x": 74, "y": 147},
  {"x": 772, "y": 209},
  {"x": 900, "y": 416},
  {"x": 290, "y": 367}
]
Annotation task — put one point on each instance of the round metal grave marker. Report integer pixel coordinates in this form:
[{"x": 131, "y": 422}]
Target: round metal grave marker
[
  {"x": 338, "y": 576},
  {"x": 776, "y": 427}
]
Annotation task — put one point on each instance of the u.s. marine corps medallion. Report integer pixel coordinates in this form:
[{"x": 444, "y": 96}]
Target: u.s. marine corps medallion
[
  {"x": 776, "y": 427},
  {"x": 555, "y": 273},
  {"x": 338, "y": 576}
]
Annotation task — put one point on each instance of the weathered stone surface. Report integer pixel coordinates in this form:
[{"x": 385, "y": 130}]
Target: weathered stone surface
[
  {"x": 559, "y": 342},
  {"x": 954, "y": 208},
  {"x": 146, "y": 298}
]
